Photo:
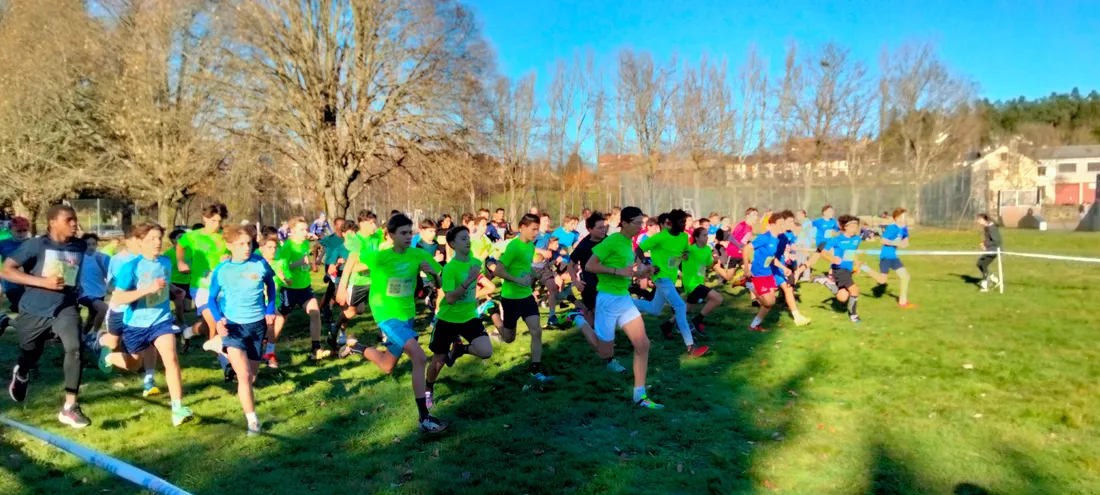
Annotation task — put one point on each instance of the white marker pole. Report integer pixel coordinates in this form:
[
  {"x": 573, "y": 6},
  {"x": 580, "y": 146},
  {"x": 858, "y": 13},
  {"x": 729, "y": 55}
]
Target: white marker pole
[{"x": 1000, "y": 271}]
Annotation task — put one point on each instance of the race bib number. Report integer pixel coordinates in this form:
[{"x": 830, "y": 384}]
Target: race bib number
[
  {"x": 157, "y": 298},
  {"x": 400, "y": 287},
  {"x": 62, "y": 265},
  {"x": 673, "y": 262},
  {"x": 701, "y": 271},
  {"x": 849, "y": 255}
]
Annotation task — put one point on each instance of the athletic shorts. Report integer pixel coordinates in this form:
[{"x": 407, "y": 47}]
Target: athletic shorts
[
  {"x": 201, "y": 297},
  {"x": 248, "y": 337},
  {"x": 397, "y": 333},
  {"x": 186, "y": 288},
  {"x": 544, "y": 274},
  {"x": 293, "y": 298},
  {"x": 698, "y": 294},
  {"x": 360, "y": 294},
  {"x": 115, "y": 321},
  {"x": 137, "y": 339},
  {"x": 589, "y": 296},
  {"x": 764, "y": 285},
  {"x": 613, "y": 312},
  {"x": 446, "y": 332},
  {"x": 32, "y": 328},
  {"x": 517, "y": 309},
  {"x": 843, "y": 278},
  {"x": 88, "y": 302},
  {"x": 887, "y": 264}
]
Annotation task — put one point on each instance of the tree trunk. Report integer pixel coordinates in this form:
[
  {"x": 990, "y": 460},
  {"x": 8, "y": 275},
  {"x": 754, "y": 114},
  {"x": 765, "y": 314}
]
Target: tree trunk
[
  {"x": 166, "y": 213},
  {"x": 695, "y": 179}
]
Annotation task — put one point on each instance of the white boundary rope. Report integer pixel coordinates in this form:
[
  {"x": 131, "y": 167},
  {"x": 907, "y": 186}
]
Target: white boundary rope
[{"x": 100, "y": 460}]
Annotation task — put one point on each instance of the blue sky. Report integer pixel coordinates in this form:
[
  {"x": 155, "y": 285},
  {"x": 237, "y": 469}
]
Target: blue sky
[{"x": 1010, "y": 48}]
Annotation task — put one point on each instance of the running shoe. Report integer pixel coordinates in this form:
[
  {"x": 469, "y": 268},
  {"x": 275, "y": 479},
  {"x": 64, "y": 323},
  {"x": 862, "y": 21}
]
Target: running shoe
[
  {"x": 458, "y": 349},
  {"x": 228, "y": 374},
  {"x": 18, "y": 388},
  {"x": 271, "y": 361},
  {"x": 432, "y": 425},
  {"x": 347, "y": 350},
  {"x": 181, "y": 415},
  {"x": 666, "y": 328},
  {"x": 698, "y": 329},
  {"x": 698, "y": 351},
  {"x": 614, "y": 366},
  {"x": 319, "y": 354},
  {"x": 757, "y": 328},
  {"x": 213, "y": 345},
  {"x": 428, "y": 400},
  {"x": 254, "y": 428},
  {"x": 907, "y": 305},
  {"x": 73, "y": 417},
  {"x": 648, "y": 404},
  {"x": 801, "y": 321},
  {"x": 343, "y": 338},
  {"x": 485, "y": 307},
  {"x": 104, "y": 366},
  {"x": 541, "y": 377},
  {"x": 552, "y": 321},
  {"x": 855, "y": 319},
  {"x": 149, "y": 389}
]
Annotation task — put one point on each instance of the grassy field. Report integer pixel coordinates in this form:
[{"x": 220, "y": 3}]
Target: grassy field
[{"x": 969, "y": 393}]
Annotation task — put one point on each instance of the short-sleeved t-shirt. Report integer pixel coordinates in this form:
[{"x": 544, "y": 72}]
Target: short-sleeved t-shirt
[
  {"x": 140, "y": 273},
  {"x": 566, "y": 239},
  {"x": 517, "y": 259},
  {"x": 844, "y": 247},
  {"x": 465, "y": 308},
  {"x": 826, "y": 229},
  {"x": 93, "y": 275},
  {"x": 666, "y": 250},
  {"x": 393, "y": 282},
  {"x": 292, "y": 252},
  {"x": 334, "y": 249},
  {"x": 358, "y": 244},
  {"x": 177, "y": 276},
  {"x": 763, "y": 254},
  {"x": 892, "y": 233},
  {"x": 42, "y": 257},
  {"x": 239, "y": 290},
  {"x": 694, "y": 269},
  {"x": 615, "y": 251},
  {"x": 740, "y": 232},
  {"x": 204, "y": 252},
  {"x": 581, "y": 254}
]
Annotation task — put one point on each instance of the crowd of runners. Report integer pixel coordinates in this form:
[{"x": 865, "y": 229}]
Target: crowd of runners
[{"x": 597, "y": 272}]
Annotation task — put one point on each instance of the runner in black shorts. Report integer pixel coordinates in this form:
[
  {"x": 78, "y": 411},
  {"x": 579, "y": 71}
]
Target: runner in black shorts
[
  {"x": 517, "y": 301},
  {"x": 586, "y": 282}
]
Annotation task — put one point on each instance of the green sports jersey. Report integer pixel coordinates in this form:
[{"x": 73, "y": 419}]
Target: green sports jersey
[
  {"x": 177, "y": 277},
  {"x": 454, "y": 274},
  {"x": 615, "y": 251},
  {"x": 694, "y": 269},
  {"x": 517, "y": 259},
  {"x": 356, "y": 243},
  {"x": 203, "y": 252},
  {"x": 293, "y": 252},
  {"x": 276, "y": 266},
  {"x": 393, "y": 282},
  {"x": 665, "y": 250}
]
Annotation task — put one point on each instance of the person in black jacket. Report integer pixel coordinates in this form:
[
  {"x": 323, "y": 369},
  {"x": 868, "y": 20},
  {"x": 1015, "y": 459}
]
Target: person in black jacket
[{"x": 991, "y": 241}]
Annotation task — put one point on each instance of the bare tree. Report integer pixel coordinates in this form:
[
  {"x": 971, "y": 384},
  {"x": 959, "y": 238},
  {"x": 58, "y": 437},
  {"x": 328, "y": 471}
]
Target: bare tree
[
  {"x": 930, "y": 122},
  {"x": 647, "y": 90},
  {"x": 702, "y": 118},
  {"x": 161, "y": 98},
  {"x": 48, "y": 146},
  {"x": 513, "y": 131},
  {"x": 748, "y": 116},
  {"x": 568, "y": 97},
  {"x": 597, "y": 105},
  {"x": 353, "y": 90}
]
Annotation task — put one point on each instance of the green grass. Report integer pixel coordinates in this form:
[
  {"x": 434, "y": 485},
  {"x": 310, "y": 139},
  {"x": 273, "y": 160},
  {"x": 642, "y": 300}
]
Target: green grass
[{"x": 883, "y": 407}]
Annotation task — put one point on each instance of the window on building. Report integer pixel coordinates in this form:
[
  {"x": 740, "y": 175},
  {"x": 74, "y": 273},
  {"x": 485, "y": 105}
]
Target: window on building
[
  {"x": 1094, "y": 167},
  {"x": 1042, "y": 171},
  {"x": 1067, "y": 168}
]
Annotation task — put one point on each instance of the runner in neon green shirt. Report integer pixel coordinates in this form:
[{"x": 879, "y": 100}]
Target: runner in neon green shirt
[
  {"x": 393, "y": 275},
  {"x": 667, "y": 249},
  {"x": 700, "y": 256},
  {"x": 197, "y": 253},
  {"x": 613, "y": 263},
  {"x": 516, "y": 300},
  {"x": 297, "y": 260},
  {"x": 352, "y": 294},
  {"x": 269, "y": 246},
  {"x": 180, "y": 280},
  {"x": 457, "y": 315}
]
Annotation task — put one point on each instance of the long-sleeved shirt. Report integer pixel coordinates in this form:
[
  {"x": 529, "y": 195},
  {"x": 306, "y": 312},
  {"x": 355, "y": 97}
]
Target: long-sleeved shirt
[
  {"x": 242, "y": 292},
  {"x": 991, "y": 237}
]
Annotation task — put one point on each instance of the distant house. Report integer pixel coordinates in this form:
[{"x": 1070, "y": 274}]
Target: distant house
[
  {"x": 1006, "y": 182},
  {"x": 1071, "y": 171}
]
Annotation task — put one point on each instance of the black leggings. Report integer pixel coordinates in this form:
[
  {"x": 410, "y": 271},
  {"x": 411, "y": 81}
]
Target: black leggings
[
  {"x": 983, "y": 263},
  {"x": 34, "y": 331}
]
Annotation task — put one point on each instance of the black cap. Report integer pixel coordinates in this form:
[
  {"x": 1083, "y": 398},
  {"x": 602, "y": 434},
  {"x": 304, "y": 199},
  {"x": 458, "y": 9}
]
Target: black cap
[{"x": 629, "y": 213}]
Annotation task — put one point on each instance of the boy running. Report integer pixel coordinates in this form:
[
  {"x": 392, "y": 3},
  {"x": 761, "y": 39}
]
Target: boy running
[
  {"x": 334, "y": 256},
  {"x": 179, "y": 280},
  {"x": 782, "y": 269},
  {"x": 197, "y": 253},
  {"x": 841, "y": 252},
  {"x": 142, "y": 316},
  {"x": 694, "y": 275},
  {"x": 457, "y": 316},
  {"x": 587, "y": 283},
  {"x": 893, "y": 237},
  {"x": 49, "y": 269},
  {"x": 393, "y": 274},
  {"x": 991, "y": 241},
  {"x": 667, "y": 249},
  {"x": 93, "y": 284},
  {"x": 297, "y": 291},
  {"x": 613, "y": 263},
  {"x": 760, "y": 256},
  {"x": 244, "y": 312},
  {"x": 517, "y": 299}
]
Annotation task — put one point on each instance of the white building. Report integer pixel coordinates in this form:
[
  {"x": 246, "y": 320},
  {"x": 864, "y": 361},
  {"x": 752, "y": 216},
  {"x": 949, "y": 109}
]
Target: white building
[{"x": 1072, "y": 172}]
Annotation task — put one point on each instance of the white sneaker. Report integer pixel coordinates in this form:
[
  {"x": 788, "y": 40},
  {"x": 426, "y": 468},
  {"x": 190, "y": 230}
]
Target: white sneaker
[
  {"x": 255, "y": 428},
  {"x": 995, "y": 279},
  {"x": 614, "y": 367},
  {"x": 984, "y": 286},
  {"x": 188, "y": 333},
  {"x": 343, "y": 338}
]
